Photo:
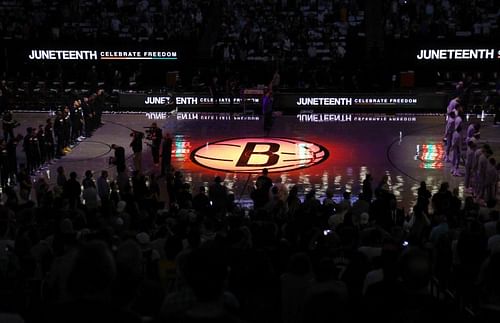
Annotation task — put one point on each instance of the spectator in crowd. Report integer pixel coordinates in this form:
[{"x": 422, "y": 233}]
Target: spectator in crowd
[{"x": 119, "y": 158}]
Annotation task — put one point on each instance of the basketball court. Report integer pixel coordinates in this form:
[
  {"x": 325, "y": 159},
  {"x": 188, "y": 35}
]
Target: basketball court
[{"x": 313, "y": 151}]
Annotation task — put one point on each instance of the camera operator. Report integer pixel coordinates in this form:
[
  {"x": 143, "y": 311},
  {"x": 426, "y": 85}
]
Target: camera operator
[
  {"x": 136, "y": 145},
  {"x": 8, "y": 124},
  {"x": 155, "y": 135}
]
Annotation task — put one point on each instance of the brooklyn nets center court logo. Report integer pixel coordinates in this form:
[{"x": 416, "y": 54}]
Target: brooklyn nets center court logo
[{"x": 251, "y": 155}]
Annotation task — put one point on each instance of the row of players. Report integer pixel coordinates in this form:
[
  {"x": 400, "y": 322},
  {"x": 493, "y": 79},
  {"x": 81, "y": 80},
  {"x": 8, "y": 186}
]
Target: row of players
[
  {"x": 463, "y": 147},
  {"x": 51, "y": 140}
]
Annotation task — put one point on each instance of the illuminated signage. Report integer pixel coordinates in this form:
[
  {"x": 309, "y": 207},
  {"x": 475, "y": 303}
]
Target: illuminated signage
[
  {"x": 356, "y": 101},
  {"x": 58, "y": 54},
  {"x": 203, "y": 116},
  {"x": 157, "y": 115},
  {"x": 344, "y": 103},
  {"x": 251, "y": 155},
  {"x": 215, "y": 116},
  {"x": 201, "y": 100},
  {"x": 155, "y": 100},
  {"x": 431, "y": 156},
  {"x": 148, "y": 101},
  {"x": 337, "y": 117},
  {"x": 324, "y": 101},
  {"x": 348, "y": 101},
  {"x": 458, "y": 54}
]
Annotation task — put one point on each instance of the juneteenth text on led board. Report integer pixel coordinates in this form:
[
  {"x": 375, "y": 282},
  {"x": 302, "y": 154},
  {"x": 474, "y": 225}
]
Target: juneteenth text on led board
[
  {"x": 56, "y": 54},
  {"x": 194, "y": 100},
  {"x": 336, "y": 117},
  {"x": 202, "y": 116},
  {"x": 347, "y": 101},
  {"x": 458, "y": 54}
]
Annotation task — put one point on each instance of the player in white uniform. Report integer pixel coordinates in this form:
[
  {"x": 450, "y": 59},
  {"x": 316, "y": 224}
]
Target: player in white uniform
[
  {"x": 452, "y": 105},
  {"x": 448, "y": 134},
  {"x": 473, "y": 131},
  {"x": 456, "y": 147}
]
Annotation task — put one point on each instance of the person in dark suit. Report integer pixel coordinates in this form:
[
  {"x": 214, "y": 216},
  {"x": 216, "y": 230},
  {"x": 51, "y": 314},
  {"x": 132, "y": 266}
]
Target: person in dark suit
[
  {"x": 217, "y": 193},
  {"x": 397, "y": 215},
  {"x": 136, "y": 146},
  {"x": 119, "y": 159},
  {"x": 155, "y": 134},
  {"x": 267, "y": 111},
  {"x": 72, "y": 190}
]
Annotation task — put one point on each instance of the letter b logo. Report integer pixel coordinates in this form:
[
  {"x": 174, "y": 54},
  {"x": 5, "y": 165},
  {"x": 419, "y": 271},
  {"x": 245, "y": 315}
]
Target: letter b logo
[
  {"x": 251, "y": 155},
  {"x": 249, "y": 151}
]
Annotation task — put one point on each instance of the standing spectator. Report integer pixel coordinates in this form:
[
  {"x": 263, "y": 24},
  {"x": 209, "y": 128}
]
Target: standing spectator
[
  {"x": 72, "y": 190},
  {"x": 155, "y": 135},
  {"x": 166, "y": 154},
  {"x": 119, "y": 158},
  {"x": 201, "y": 202},
  {"x": 469, "y": 163},
  {"x": 267, "y": 111},
  {"x": 61, "y": 177},
  {"x": 217, "y": 194},
  {"x": 482, "y": 167},
  {"x": 136, "y": 145},
  {"x": 103, "y": 188},
  {"x": 423, "y": 197},
  {"x": 25, "y": 184},
  {"x": 367, "y": 187},
  {"x": 491, "y": 180},
  {"x": 88, "y": 180},
  {"x": 261, "y": 193},
  {"x": 89, "y": 195}
]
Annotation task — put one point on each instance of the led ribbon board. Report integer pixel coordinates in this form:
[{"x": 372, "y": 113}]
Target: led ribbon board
[
  {"x": 458, "y": 54},
  {"x": 83, "y": 55}
]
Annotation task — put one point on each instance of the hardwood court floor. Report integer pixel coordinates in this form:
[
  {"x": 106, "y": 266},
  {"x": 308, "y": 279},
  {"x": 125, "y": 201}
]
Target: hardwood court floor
[{"x": 408, "y": 150}]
